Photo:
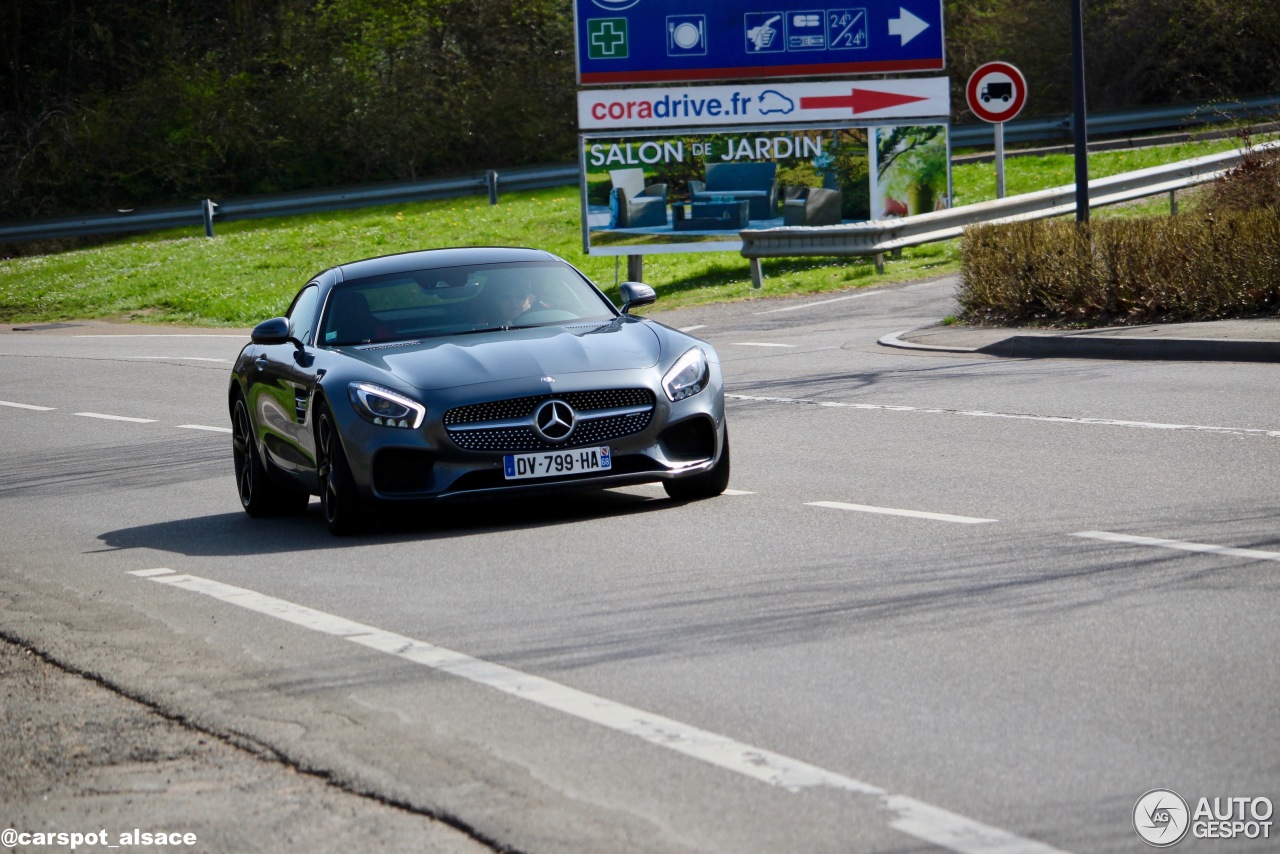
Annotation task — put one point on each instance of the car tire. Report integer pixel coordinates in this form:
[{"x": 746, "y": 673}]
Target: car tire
[
  {"x": 340, "y": 503},
  {"x": 260, "y": 494},
  {"x": 709, "y": 484}
]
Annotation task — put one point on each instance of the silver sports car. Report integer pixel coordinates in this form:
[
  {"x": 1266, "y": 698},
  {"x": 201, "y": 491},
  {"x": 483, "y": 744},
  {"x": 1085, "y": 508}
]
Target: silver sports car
[{"x": 466, "y": 373}]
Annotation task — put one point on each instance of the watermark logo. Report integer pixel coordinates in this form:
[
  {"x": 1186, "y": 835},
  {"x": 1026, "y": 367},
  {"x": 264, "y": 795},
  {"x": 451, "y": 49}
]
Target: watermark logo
[
  {"x": 1161, "y": 818},
  {"x": 1232, "y": 818}
]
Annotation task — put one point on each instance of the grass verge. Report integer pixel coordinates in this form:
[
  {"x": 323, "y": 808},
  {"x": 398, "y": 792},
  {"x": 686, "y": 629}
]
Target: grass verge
[{"x": 251, "y": 269}]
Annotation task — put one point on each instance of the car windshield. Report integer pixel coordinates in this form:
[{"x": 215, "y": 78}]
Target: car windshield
[{"x": 460, "y": 300}]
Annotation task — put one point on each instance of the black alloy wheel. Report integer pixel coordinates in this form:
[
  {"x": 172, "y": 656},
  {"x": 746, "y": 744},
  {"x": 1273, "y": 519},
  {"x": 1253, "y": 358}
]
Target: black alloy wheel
[
  {"x": 339, "y": 500},
  {"x": 259, "y": 494}
]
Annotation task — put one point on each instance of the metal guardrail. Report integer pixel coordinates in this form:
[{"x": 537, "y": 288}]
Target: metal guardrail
[
  {"x": 210, "y": 212},
  {"x": 875, "y": 237},
  {"x": 1120, "y": 122}
]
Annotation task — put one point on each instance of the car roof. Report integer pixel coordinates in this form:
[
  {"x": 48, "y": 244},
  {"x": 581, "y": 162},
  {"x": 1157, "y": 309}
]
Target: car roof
[{"x": 429, "y": 258}]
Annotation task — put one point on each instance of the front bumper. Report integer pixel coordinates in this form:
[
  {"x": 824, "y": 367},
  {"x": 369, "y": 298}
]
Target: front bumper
[{"x": 395, "y": 465}]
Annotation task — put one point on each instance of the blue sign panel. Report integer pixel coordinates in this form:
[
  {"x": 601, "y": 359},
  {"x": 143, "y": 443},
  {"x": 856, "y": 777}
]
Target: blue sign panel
[{"x": 653, "y": 41}]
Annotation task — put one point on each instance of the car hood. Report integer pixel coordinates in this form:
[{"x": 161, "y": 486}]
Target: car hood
[{"x": 459, "y": 360}]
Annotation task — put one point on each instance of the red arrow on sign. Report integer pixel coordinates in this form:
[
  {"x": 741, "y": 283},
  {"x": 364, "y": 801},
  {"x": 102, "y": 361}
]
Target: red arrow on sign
[{"x": 860, "y": 101}]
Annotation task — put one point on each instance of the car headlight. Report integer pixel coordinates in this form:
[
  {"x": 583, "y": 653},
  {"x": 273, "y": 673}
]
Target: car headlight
[
  {"x": 688, "y": 376},
  {"x": 385, "y": 407}
]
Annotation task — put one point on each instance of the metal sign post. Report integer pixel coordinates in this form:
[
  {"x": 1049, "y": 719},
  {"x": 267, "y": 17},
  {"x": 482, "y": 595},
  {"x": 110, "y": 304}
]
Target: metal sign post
[
  {"x": 1079, "y": 119},
  {"x": 999, "y": 130}
]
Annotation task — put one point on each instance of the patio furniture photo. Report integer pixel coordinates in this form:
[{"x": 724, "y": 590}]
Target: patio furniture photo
[
  {"x": 811, "y": 206},
  {"x": 710, "y": 216},
  {"x": 755, "y": 183},
  {"x": 632, "y": 204}
]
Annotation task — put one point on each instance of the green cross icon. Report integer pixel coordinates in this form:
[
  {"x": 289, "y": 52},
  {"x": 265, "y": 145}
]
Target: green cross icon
[{"x": 607, "y": 38}]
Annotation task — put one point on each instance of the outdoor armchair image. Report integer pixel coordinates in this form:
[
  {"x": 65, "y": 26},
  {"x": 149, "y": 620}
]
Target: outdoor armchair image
[
  {"x": 755, "y": 183},
  {"x": 633, "y": 204},
  {"x": 811, "y": 206}
]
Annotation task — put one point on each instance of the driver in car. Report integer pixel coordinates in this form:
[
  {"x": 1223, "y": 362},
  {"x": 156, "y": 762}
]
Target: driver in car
[{"x": 506, "y": 301}]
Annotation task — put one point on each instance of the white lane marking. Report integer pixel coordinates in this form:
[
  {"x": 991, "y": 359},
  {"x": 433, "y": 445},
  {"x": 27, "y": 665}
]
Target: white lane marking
[
  {"x": 1178, "y": 544},
  {"x": 757, "y": 344},
  {"x": 819, "y": 302},
  {"x": 1052, "y": 419},
  {"x": 204, "y": 427},
  {"x": 691, "y": 328},
  {"x": 726, "y": 492},
  {"x": 164, "y": 335},
  {"x": 176, "y": 358},
  {"x": 115, "y": 417},
  {"x": 26, "y": 406},
  {"x": 908, "y": 815},
  {"x": 893, "y": 511},
  {"x": 150, "y": 573}
]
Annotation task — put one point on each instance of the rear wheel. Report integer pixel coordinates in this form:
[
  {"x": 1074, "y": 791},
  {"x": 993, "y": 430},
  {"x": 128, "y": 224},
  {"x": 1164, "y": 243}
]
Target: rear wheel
[
  {"x": 259, "y": 494},
  {"x": 709, "y": 484},
  {"x": 339, "y": 501}
]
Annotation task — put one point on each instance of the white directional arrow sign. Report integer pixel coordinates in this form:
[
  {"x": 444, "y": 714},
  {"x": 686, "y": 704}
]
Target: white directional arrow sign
[{"x": 907, "y": 26}]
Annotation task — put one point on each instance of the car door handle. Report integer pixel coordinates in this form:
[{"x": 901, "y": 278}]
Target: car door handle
[{"x": 261, "y": 362}]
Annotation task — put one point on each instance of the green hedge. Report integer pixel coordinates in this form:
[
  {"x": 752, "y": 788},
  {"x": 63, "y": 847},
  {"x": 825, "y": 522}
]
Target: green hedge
[{"x": 1193, "y": 266}]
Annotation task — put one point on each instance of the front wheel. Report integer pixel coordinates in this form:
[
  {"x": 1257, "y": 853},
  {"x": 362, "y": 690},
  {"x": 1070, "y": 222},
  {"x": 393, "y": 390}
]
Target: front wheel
[
  {"x": 709, "y": 484},
  {"x": 339, "y": 501},
  {"x": 259, "y": 494}
]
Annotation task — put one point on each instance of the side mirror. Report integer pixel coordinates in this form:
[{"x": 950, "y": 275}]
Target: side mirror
[
  {"x": 273, "y": 331},
  {"x": 636, "y": 294}
]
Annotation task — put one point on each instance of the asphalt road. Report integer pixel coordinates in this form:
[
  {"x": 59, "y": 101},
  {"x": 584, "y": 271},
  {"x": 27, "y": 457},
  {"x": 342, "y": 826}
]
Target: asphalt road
[{"x": 951, "y": 602}]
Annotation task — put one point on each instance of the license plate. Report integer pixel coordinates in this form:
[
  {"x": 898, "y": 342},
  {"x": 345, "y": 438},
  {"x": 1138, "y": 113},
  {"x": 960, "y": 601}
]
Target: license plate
[{"x": 553, "y": 463}]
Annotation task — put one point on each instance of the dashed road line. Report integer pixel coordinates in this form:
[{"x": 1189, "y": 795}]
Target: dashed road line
[
  {"x": 204, "y": 427},
  {"x": 759, "y": 344},
  {"x": 1180, "y": 545},
  {"x": 106, "y": 417},
  {"x": 726, "y": 492},
  {"x": 819, "y": 302},
  {"x": 115, "y": 417},
  {"x": 176, "y": 359},
  {"x": 893, "y": 511},
  {"x": 229, "y": 337},
  {"x": 1012, "y": 416},
  {"x": 692, "y": 328},
  {"x": 27, "y": 406},
  {"x": 905, "y": 814}
]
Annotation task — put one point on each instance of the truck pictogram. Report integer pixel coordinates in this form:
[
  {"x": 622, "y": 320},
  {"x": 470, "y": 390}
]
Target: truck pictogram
[{"x": 1003, "y": 91}]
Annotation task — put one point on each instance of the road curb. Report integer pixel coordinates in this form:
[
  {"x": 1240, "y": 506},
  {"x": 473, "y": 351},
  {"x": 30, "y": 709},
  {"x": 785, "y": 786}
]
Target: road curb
[
  {"x": 894, "y": 339},
  {"x": 1167, "y": 349},
  {"x": 1106, "y": 347}
]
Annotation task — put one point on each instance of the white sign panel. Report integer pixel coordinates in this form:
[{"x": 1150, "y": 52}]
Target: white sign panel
[{"x": 763, "y": 103}]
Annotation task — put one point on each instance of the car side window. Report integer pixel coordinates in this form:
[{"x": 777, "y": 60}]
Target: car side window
[{"x": 302, "y": 316}]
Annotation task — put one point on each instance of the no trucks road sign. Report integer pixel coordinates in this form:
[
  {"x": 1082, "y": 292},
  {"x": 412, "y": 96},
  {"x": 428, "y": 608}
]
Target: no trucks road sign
[{"x": 996, "y": 92}]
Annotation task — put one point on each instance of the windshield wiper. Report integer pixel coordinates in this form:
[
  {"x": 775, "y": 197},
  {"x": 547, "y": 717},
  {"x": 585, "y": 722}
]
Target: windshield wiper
[{"x": 499, "y": 329}]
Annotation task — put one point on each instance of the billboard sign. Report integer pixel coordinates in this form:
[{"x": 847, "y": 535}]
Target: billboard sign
[
  {"x": 691, "y": 190},
  {"x": 763, "y": 103},
  {"x": 629, "y": 42}
]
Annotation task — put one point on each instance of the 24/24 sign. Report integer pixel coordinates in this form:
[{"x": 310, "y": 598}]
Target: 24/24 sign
[{"x": 649, "y": 41}]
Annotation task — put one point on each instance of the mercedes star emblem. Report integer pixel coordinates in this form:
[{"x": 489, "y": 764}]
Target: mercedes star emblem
[{"x": 554, "y": 420}]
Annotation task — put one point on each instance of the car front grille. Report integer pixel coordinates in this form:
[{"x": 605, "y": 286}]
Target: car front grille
[{"x": 506, "y": 426}]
